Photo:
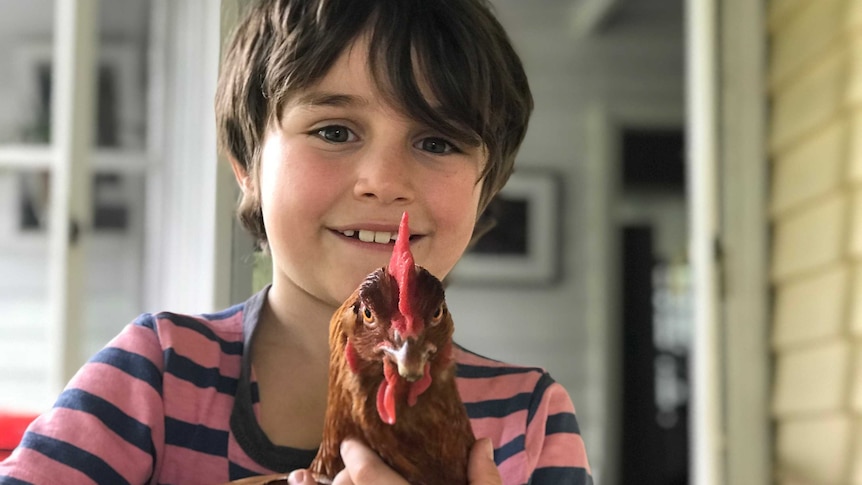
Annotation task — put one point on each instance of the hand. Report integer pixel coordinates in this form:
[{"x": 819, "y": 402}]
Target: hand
[
  {"x": 481, "y": 469},
  {"x": 363, "y": 466}
]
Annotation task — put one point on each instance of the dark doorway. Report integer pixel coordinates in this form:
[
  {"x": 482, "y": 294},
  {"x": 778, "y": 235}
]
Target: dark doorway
[
  {"x": 655, "y": 427},
  {"x": 656, "y": 325}
]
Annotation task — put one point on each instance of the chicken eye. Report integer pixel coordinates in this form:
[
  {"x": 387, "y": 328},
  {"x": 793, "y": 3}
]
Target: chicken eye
[
  {"x": 437, "y": 316},
  {"x": 367, "y": 316}
]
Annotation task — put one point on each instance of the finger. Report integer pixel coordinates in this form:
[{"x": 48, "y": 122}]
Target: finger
[
  {"x": 365, "y": 467},
  {"x": 343, "y": 478},
  {"x": 481, "y": 470},
  {"x": 300, "y": 477}
]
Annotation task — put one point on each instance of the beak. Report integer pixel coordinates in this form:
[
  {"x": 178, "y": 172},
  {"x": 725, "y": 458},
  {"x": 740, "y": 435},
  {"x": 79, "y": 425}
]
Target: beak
[{"x": 411, "y": 359}]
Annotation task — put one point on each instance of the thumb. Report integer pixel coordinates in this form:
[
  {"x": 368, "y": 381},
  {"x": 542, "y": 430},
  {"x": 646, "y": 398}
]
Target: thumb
[
  {"x": 300, "y": 477},
  {"x": 482, "y": 470}
]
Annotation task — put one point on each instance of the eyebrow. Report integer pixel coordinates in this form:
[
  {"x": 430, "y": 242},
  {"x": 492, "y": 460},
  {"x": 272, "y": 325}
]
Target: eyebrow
[{"x": 313, "y": 99}]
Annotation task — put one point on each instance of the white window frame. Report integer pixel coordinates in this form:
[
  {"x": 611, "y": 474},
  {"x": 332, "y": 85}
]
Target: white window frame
[
  {"x": 66, "y": 158},
  {"x": 196, "y": 256}
]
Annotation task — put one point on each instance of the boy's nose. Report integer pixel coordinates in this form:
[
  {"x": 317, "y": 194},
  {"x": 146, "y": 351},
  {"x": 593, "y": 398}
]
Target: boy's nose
[{"x": 385, "y": 175}]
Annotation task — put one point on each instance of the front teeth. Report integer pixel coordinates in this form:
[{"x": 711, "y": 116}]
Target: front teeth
[{"x": 380, "y": 237}]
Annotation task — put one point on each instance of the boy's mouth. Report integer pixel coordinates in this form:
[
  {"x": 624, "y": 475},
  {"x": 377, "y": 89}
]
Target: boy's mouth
[{"x": 379, "y": 237}]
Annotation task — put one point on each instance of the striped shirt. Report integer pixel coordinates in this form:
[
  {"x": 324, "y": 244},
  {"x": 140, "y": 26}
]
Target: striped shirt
[{"x": 172, "y": 400}]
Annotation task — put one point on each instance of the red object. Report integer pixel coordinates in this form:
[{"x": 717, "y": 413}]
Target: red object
[
  {"x": 403, "y": 269},
  {"x": 12, "y": 427}
]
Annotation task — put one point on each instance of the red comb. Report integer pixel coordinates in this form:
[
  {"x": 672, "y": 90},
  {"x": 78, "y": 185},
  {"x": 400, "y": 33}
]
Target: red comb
[{"x": 402, "y": 268}]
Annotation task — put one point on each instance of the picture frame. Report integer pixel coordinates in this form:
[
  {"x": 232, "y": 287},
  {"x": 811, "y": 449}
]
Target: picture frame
[{"x": 523, "y": 248}]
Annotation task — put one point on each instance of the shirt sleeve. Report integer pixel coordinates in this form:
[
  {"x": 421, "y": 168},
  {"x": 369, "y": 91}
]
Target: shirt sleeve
[
  {"x": 554, "y": 445},
  {"x": 107, "y": 426}
]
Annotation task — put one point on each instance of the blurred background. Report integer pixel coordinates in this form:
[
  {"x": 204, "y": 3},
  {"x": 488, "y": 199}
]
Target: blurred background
[
  {"x": 35, "y": 154},
  {"x": 678, "y": 246}
]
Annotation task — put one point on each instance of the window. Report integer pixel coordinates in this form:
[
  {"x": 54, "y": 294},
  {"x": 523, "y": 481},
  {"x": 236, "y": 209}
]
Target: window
[{"x": 61, "y": 300}]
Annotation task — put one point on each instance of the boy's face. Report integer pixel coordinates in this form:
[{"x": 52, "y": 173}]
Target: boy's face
[{"x": 340, "y": 169}]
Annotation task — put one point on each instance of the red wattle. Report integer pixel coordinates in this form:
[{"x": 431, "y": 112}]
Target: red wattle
[
  {"x": 386, "y": 393},
  {"x": 389, "y": 401},
  {"x": 420, "y": 386},
  {"x": 381, "y": 403}
]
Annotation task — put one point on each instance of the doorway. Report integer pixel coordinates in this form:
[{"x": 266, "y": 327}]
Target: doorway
[{"x": 656, "y": 318}]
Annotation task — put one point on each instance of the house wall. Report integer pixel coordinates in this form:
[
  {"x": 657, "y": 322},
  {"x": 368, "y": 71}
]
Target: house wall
[{"x": 815, "y": 89}]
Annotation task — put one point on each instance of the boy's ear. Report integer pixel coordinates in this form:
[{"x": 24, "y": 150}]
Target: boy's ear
[{"x": 241, "y": 174}]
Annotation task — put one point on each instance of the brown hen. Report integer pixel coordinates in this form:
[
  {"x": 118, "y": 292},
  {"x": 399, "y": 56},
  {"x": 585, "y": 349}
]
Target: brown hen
[{"x": 392, "y": 376}]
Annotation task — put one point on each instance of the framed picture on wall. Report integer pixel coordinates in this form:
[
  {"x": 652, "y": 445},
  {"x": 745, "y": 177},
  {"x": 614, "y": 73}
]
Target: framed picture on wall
[{"x": 523, "y": 247}]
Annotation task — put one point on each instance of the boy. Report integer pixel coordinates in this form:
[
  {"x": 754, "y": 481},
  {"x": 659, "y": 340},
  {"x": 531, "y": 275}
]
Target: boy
[{"x": 337, "y": 116}]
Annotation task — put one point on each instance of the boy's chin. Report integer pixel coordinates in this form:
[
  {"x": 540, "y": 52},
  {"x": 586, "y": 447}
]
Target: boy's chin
[
  {"x": 344, "y": 287},
  {"x": 356, "y": 272}
]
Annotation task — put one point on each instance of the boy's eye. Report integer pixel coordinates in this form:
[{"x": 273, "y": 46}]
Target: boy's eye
[
  {"x": 335, "y": 133},
  {"x": 436, "y": 145}
]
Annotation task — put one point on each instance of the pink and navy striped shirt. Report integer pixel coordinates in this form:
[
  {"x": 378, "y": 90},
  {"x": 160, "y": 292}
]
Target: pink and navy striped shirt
[{"x": 172, "y": 400}]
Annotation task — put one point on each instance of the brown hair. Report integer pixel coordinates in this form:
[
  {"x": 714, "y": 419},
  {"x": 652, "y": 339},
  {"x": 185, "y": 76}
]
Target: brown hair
[{"x": 458, "y": 46}]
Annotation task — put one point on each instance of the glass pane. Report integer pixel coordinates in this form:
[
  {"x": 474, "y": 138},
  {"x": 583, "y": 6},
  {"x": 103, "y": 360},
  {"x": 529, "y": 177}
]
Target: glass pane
[
  {"x": 24, "y": 308},
  {"x": 115, "y": 255},
  {"x": 26, "y": 36},
  {"x": 121, "y": 94}
]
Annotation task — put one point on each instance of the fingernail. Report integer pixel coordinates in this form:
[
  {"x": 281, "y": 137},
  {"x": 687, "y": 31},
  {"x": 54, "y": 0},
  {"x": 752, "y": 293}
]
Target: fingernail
[{"x": 296, "y": 477}]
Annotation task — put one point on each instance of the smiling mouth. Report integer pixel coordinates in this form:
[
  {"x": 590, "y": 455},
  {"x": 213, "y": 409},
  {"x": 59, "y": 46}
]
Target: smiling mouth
[{"x": 379, "y": 237}]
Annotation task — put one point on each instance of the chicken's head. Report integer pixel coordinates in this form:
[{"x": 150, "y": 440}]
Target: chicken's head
[{"x": 400, "y": 320}]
